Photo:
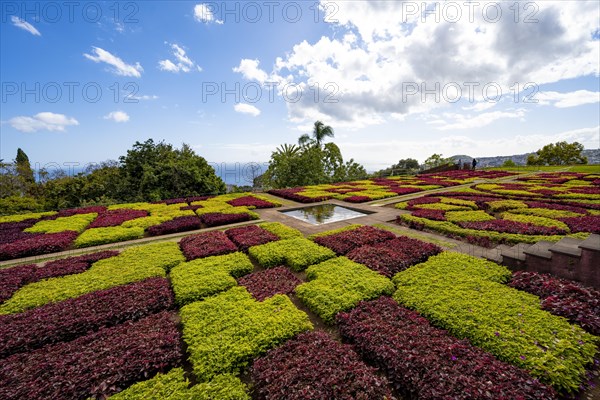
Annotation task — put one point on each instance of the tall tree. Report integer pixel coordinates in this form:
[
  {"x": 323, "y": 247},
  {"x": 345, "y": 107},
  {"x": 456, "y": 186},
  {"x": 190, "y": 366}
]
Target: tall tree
[
  {"x": 24, "y": 171},
  {"x": 559, "y": 153}
]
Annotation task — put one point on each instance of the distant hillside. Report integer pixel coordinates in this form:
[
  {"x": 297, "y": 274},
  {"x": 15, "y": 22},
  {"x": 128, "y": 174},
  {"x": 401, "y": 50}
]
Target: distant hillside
[{"x": 519, "y": 159}]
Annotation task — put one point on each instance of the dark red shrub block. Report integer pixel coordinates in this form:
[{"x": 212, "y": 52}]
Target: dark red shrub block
[
  {"x": 425, "y": 362},
  {"x": 589, "y": 223},
  {"x": 248, "y": 236},
  {"x": 98, "y": 364},
  {"x": 357, "y": 199},
  {"x": 395, "y": 255},
  {"x": 346, "y": 241},
  {"x": 314, "y": 366},
  {"x": 179, "y": 224},
  {"x": 506, "y": 226},
  {"x": 436, "y": 215},
  {"x": 11, "y": 279},
  {"x": 250, "y": 201},
  {"x": 69, "y": 319},
  {"x": 269, "y": 282},
  {"x": 218, "y": 219},
  {"x": 577, "y": 303},
  {"x": 404, "y": 190},
  {"x": 71, "y": 265},
  {"x": 116, "y": 217},
  {"x": 206, "y": 244},
  {"x": 81, "y": 210},
  {"x": 38, "y": 244}
]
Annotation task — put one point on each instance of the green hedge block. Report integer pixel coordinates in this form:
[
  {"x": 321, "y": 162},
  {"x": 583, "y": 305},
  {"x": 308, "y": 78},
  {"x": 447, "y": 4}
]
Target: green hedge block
[
  {"x": 132, "y": 265},
  {"x": 204, "y": 277},
  {"x": 145, "y": 222},
  {"x": 546, "y": 213},
  {"x": 443, "y": 207},
  {"x": 175, "y": 386},
  {"x": 296, "y": 253},
  {"x": 468, "y": 216},
  {"x": 338, "y": 285},
  {"x": 334, "y": 231},
  {"x": 111, "y": 234},
  {"x": 23, "y": 217},
  {"x": 530, "y": 219},
  {"x": 464, "y": 295},
  {"x": 77, "y": 223},
  {"x": 503, "y": 205},
  {"x": 224, "y": 333},
  {"x": 281, "y": 230}
]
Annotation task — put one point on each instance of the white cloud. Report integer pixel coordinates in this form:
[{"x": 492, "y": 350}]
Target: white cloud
[
  {"x": 461, "y": 121},
  {"x": 570, "y": 99},
  {"x": 42, "y": 121},
  {"x": 183, "y": 62},
  {"x": 143, "y": 97},
  {"x": 119, "y": 67},
  {"x": 117, "y": 116},
  {"x": 379, "y": 47},
  {"x": 203, "y": 13},
  {"x": 247, "y": 109},
  {"x": 249, "y": 70},
  {"x": 19, "y": 23}
]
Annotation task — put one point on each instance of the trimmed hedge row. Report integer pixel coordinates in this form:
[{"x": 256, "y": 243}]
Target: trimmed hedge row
[
  {"x": 269, "y": 282},
  {"x": 175, "y": 386},
  {"x": 465, "y": 295},
  {"x": 12, "y": 279},
  {"x": 77, "y": 223},
  {"x": 575, "y": 302},
  {"x": 97, "y": 364},
  {"x": 69, "y": 319},
  {"x": 131, "y": 265},
  {"x": 204, "y": 277},
  {"x": 340, "y": 284},
  {"x": 393, "y": 256},
  {"x": 248, "y": 236},
  {"x": 346, "y": 241},
  {"x": 206, "y": 244},
  {"x": 314, "y": 366},
  {"x": 37, "y": 244},
  {"x": 110, "y": 234},
  {"x": 225, "y": 332},
  {"x": 296, "y": 253},
  {"x": 427, "y": 363},
  {"x": 281, "y": 230}
]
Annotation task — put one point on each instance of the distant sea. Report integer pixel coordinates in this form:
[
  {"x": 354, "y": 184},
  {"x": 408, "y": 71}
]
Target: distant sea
[{"x": 235, "y": 173}]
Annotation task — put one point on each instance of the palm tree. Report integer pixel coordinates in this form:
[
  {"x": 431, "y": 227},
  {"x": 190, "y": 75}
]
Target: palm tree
[
  {"x": 287, "y": 150},
  {"x": 319, "y": 133}
]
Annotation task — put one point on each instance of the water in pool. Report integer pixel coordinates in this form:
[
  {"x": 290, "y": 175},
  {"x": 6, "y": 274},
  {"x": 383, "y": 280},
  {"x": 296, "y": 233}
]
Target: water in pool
[{"x": 324, "y": 214}]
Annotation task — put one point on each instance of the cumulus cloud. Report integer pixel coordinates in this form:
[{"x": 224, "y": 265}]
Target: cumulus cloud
[
  {"x": 203, "y": 13},
  {"x": 119, "y": 66},
  {"x": 20, "y": 23},
  {"x": 182, "y": 62},
  {"x": 250, "y": 70},
  {"x": 244, "y": 108},
  {"x": 44, "y": 121},
  {"x": 570, "y": 99},
  {"x": 380, "y": 47},
  {"x": 461, "y": 121},
  {"x": 117, "y": 116}
]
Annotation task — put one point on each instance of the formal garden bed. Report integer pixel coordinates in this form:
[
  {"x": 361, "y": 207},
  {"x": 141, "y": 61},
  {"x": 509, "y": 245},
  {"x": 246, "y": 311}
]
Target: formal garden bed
[{"x": 261, "y": 311}]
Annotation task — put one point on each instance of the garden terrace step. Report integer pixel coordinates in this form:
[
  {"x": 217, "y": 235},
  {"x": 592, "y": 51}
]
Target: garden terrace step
[
  {"x": 568, "y": 246},
  {"x": 540, "y": 249},
  {"x": 513, "y": 257},
  {"x": 588, "y": 271},
  {"x": 495, "y": 254}
]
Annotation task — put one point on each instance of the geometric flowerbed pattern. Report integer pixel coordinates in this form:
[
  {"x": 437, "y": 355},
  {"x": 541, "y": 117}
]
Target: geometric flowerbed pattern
[
  {"x": 256, "y": 308},
  {"x": 381, "y": 188},
  {"x": 42, "y": 233},
  {"x": 544, "y": 207}
]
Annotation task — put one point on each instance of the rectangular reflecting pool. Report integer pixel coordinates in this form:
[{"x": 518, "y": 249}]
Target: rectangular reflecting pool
[{"x": 324, "y": 214}]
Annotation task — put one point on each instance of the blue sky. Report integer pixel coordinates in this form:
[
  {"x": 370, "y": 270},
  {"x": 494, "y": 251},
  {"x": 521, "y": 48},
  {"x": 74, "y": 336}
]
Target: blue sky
[{"x": 82, "y": 84}]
